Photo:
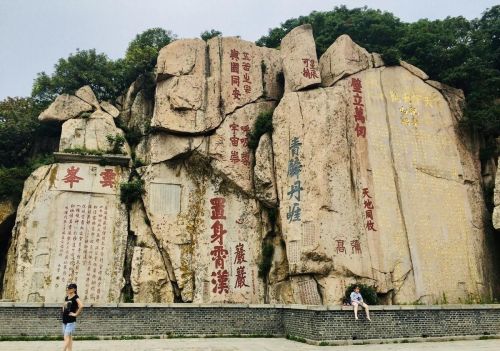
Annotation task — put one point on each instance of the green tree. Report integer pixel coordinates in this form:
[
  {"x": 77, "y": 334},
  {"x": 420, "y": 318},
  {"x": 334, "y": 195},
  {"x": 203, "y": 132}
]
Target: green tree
[
  {"x": 18, "y": 127},
  {"x": 206, "y": 35},
  {"x": 142, "y": 52},
  {"x": 85, "y": 67},
  {"x": 373, "y": 29}
]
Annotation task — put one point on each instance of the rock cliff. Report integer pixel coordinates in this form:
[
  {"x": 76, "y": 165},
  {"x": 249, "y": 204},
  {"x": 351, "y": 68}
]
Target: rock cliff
[{"x": 365, "y": 177}]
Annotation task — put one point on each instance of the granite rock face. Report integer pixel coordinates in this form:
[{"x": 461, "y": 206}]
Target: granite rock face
[
  {"x": 70, "y": 227},
  {"x": 496, "y": 200},
  {"x": 65, "y": 107},
  {"x": 90, "y": 133},
  {"x": 365, "y": 176},
  {"x": 300, "y": 62},
  {"x": 362, "y": 178}
]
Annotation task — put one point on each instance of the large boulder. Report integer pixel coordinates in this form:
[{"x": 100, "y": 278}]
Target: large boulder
[
  {"x": 228, "y": 146},
  {"x": 86, "y": 94},
  {"x": 300, "y": 61},
  {"x": 199, "y": 84},
  {"x": 375, "y": 187},
  {"x": 264, "y": 178},
  {"x": 343, "y": 58},
  {"x": 65, "y": 107},
  {"x": 209, "y": 232},
  {"x": 70, "y": 227},
  {"x": 496, "y": 199},
  {"x": 159, "y": 147},
  {"x": 90, "y": 133}
]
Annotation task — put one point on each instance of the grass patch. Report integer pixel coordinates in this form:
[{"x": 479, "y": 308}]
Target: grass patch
[
  {"x": 131, "y": 191},
  {"x": 83, "y": 151}
]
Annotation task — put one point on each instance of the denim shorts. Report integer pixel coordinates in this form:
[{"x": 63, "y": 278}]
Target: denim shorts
[{"x": 68, "y": 328}]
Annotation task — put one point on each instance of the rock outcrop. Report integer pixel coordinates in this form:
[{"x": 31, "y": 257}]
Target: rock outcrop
[
  {"x": 70, "y": 227},
  {"x": 365, "y": 177},
  {"x": 496, "y": 200}
]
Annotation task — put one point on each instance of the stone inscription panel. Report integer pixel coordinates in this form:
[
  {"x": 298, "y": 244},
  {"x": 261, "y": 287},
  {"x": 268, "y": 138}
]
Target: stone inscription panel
[
  {"x": 293, "y": 252},
  {"x": 82, "y": 177},
  {"x": 165, "y": 199},
  {"x": 84, "y": 249},
  {"x": 309, "y": 293}
]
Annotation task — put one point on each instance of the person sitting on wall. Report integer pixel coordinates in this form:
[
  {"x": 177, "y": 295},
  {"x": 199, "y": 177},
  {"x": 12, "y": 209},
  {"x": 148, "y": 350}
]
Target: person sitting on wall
[{"x": 356, "y": 300}]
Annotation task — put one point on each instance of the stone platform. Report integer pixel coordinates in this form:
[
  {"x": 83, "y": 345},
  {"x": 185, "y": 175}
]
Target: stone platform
[{"x": 313, "y": 324}]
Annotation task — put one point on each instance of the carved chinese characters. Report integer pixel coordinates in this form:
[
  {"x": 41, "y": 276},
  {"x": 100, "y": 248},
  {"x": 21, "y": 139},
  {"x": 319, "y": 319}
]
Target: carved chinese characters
[
  {"x": 300, "y": 63},
  {"x": 219, "y": 253},
  {"x": 359, "y": 113},
  {"x": 294, "y": 169},
  {"x": 78, "y": 228}
]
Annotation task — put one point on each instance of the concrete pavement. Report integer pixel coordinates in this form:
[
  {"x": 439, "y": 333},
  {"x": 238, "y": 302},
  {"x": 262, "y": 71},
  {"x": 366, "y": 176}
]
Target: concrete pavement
[{"x": 241, "y": 344}]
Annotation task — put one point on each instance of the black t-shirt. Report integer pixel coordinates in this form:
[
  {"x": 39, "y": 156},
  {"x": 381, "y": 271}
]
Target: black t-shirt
[{"x": 70, "y": 305}]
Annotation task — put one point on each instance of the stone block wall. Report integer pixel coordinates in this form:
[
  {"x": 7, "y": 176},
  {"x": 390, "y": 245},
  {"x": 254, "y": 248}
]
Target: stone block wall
[{"x": 313, "y": 323}]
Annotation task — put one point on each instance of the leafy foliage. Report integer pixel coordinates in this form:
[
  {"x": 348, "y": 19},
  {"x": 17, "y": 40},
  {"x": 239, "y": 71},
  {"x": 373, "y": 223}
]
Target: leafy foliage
[
  {"x": 206, "y": 35},
  {"x": 12, "y": 179},
  {"x": 85, "y": 67},
  {"x": 131, "y": 191},
  {"x": 369, "y": 293},
  {"x": 116, "y": 142},
  {"x": 142, "y": 52},
  {"x": 458, "y": 52},
  {"x": 106, "y": 77},
  {"x": 373, "y": 29}
]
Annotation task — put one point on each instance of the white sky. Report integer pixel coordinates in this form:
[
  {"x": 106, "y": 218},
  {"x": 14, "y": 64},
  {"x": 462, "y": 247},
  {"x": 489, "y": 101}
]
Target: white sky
[{"x": 34, "y": 34}]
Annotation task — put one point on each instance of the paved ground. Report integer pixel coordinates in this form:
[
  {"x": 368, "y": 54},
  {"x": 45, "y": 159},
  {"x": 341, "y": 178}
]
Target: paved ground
[{"x": 240, "y": 344}]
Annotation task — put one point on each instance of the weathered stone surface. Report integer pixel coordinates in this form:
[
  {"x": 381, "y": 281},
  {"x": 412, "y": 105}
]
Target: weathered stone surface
[
  {"x": 160, "y": 147},
  {"x": 496, "y": 217},
  {"x": 264, "y": 179},
  {"x": 109, "y": 108},
  {"x": 182, "y": 57},
  {"x": 272, "y": 67},
  {"x": 127, "y": 100},
  {"x": 179, "y": 200},
  {"x": 300, "y": 62},
  {"x": 414, "y": 70},
  {"x": 229, "y": 145},
  {"x": 496, "y": 193},
  {"x": 90, "y": 133},
  {"x": 371, "y": 179},
  {"x": 195, "y": 93},
  {"x": 63, "y": 202},
  {"x": 377, "y": 60},
  {"x": 496, "y": 199},
  {"x": 186, "y": 99},
  {"x": 409, "y": 165},
  {"x": 86, "y": 94},
  {"x": 240, "y": 71},
  {"x": 141, "y": 113},
  {"x": 150, "y": 278},
  {"x": 344, "y": 58},
  {"x": 64, "y": 107}
]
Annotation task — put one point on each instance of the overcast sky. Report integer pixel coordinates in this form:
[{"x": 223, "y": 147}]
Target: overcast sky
[{"x": 34, "y": 34}]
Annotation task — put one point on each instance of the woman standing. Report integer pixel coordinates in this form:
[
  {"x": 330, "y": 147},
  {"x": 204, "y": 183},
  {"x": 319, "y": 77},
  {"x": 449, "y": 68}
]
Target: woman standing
[{"x": 71, "y": 309}]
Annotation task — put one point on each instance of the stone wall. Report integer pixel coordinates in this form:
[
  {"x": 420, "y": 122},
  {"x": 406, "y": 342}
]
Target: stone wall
[{"x": 313, "y": 323}]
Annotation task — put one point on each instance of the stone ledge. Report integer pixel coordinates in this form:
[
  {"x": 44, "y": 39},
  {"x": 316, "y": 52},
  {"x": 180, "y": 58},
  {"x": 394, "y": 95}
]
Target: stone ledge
[
  {"x": 109, "y": 159},
  {"x": 255, "y": 306},
  {"x": 399, "y": 340},
  {"x": 103, "y": 305}
]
